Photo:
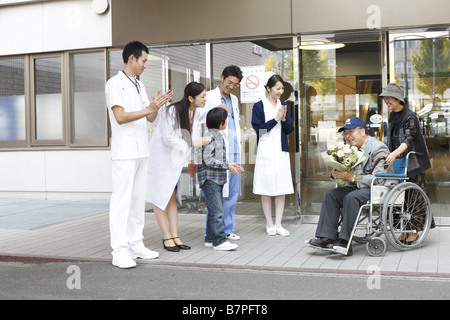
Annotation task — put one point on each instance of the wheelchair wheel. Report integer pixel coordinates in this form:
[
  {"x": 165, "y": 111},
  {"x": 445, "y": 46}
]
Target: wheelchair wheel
[
  {"x": 377, "y": 247},
  {"x": 406, "y": 214}
]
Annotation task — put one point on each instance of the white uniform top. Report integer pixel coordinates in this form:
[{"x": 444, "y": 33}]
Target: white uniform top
[{"x": 128, "y": 140}]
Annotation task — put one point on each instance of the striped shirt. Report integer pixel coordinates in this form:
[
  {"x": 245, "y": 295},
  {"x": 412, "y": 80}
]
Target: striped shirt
[{"x": 211, "y": 159}]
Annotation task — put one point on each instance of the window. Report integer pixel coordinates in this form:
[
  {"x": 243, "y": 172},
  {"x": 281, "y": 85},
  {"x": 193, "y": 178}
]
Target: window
[
  {"x": 47, "y": 100},
  {"x": 12, "y": 103},
  {"x": 88, "y": 119}
]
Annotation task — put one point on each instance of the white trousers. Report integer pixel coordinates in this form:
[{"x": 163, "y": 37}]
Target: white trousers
[{"x": 127, "y": 207}]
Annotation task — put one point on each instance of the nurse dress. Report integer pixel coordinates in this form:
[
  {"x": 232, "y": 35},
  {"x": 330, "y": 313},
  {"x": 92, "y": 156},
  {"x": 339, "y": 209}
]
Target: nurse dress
[{"x": 272, "y": 176}]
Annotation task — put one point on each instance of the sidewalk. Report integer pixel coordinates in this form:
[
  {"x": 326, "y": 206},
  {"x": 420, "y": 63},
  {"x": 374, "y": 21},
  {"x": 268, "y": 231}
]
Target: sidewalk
[{"x": 39, "y": 231}]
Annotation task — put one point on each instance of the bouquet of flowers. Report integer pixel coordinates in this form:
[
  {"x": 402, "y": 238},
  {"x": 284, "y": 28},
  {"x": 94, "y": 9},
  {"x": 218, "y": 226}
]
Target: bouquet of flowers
[{"x": 342, "y": 157}]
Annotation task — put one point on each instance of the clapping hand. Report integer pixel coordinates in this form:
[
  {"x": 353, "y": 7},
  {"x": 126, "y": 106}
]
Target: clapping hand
[
  {"x": 281, "y": 113},
  {"x": 158, "y": 100}
]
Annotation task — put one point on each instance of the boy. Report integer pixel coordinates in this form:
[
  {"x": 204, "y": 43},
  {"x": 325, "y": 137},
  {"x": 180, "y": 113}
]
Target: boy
[{"x": 212, "y": 175}]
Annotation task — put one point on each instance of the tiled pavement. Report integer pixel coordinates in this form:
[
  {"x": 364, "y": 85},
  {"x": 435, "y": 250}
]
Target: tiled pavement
[{"x": 36, "y": 231}]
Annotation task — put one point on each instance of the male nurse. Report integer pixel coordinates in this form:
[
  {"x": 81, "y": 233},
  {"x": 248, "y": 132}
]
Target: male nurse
[{"x": 129, "y": 108}]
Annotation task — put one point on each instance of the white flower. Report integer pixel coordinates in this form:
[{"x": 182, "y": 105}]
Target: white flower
[
  {"x": 347, "y": 162},
  {"x": 340, "y": 153}
]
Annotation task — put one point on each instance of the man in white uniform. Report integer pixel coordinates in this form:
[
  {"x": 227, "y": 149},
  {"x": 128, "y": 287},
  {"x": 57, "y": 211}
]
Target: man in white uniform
[{"x": 129, "y": 108}]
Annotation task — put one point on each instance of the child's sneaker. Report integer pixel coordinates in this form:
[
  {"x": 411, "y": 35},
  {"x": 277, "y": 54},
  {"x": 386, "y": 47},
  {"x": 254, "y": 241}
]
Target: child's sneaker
[{"x": 226, "y": 246}]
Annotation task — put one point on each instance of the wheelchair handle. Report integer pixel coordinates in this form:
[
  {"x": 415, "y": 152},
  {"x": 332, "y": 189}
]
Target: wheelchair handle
[
  {"x": 376, "y": 163},
  {"x": 414, "y": 152}
]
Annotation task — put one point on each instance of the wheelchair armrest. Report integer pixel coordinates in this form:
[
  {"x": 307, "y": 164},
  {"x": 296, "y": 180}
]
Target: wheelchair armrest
[{"x": 391, "y": 175}]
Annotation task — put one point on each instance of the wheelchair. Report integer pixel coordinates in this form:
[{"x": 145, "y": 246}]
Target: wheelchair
[{"x": 396, "y": 213}]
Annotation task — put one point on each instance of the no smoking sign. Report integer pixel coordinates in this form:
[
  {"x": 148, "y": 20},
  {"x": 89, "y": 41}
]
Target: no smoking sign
[
  {"x": 252, "y": 82},
  {"x": 252, "y": 89}
]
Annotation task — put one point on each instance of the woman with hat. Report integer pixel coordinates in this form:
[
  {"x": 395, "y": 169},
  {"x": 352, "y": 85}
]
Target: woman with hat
[{"x": 404, "y": 135}]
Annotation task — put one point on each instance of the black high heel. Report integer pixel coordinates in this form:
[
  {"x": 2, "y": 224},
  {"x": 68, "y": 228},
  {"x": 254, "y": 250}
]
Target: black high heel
[
  {"x": 181, "y": 246},
  {"x": 172, "y": 248}
]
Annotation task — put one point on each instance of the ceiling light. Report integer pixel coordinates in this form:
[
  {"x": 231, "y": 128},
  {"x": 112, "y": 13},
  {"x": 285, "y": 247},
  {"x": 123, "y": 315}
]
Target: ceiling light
[{"x": 320, "y": 45}]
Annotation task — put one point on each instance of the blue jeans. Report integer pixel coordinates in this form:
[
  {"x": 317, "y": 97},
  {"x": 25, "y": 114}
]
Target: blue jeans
[
  {"x": 229, "y": 204},
  {"x": 214, "y": 204}
]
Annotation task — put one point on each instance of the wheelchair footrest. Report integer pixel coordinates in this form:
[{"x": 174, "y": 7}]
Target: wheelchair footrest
[{"x": 340, "y": 250}]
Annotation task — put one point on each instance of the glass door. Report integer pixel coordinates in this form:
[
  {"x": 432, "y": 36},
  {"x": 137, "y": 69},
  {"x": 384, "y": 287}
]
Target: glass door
[
  {"x": 420, "y": 61},
  {"x": 341, "y": 76}
]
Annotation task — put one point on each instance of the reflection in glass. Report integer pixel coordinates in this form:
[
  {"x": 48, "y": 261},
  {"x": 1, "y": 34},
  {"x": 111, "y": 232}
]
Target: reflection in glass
[
  {"x": 87, "y": 94},
  {"x": 12, "y": 100}
]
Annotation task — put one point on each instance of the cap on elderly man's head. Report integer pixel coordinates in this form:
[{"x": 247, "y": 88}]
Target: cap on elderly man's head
[
  {"x": 352, "y": 123},
  {"x": 394, "y": 90}
]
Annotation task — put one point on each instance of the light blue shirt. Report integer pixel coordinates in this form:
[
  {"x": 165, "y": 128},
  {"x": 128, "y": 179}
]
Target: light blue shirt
[{"x": 233, "y": 152}]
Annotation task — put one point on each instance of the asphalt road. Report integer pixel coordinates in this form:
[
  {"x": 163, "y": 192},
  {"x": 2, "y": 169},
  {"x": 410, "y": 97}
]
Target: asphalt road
[{"x": 102, "y": 281}]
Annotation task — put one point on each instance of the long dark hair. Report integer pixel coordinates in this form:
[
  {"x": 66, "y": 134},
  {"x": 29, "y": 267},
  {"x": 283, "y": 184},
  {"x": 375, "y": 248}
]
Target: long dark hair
[{"x": 193, "y": 89}]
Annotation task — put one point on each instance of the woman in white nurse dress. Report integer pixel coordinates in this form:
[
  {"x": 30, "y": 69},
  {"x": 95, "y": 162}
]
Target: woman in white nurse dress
[
  {"x": 272, "y": 177},
  {"x": 169, "y": 150}
]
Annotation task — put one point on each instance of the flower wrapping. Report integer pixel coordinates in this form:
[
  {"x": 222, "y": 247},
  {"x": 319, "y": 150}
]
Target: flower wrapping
[{"x": 342, "y": 157}]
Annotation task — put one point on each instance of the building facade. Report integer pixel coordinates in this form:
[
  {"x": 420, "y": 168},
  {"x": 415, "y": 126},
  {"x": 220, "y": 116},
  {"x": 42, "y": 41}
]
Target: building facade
[{"x": 336, "y": 56}]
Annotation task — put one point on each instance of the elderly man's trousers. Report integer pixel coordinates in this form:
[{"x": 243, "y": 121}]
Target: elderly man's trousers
[{"x": 344, "y": 201}]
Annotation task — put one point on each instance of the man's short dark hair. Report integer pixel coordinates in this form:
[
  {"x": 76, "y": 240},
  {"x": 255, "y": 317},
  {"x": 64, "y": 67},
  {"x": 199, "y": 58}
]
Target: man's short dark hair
[
  {"x": 133, "y": 48},
  {"x": 234, "y": 71},
  {"x": 215, "y": 117}
]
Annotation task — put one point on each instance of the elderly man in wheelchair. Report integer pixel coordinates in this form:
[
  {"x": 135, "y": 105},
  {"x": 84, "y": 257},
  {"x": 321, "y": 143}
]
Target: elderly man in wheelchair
[
  {"x": 403, "y": 208},
  {"x": 346, "y": 201}
]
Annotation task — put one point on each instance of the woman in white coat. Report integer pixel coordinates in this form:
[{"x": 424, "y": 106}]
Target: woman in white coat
[
  {"x": 169, "y": 149},
  {"x": 272, "y": 177}
]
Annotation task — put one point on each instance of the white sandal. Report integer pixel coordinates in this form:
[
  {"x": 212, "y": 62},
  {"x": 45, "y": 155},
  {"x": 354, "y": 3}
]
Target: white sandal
[
  {"x": 282, "y": 232},
  {"x": 271, "y": 231}
]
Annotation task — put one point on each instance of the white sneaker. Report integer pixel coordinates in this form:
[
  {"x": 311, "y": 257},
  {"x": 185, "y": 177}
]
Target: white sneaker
[
  {"x": 144, "y": 253},
  {"x": 282, "y": 232},
  {"x": 123, "y": 262},
  {"x": 271, "y": 231},
  {"x": 226, "y": 246},
  {"x": 208, "y": 244},
  {"x": 233, "y": 236}
]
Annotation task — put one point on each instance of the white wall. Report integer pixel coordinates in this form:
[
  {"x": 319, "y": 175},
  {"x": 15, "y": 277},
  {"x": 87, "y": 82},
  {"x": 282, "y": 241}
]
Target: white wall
[
  {"x": 53, "y": 26},
  {"x": 56, "y": 174}
]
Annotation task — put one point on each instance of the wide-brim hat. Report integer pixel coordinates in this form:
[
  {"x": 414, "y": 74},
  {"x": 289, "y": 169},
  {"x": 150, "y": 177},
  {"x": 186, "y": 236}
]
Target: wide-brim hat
[
  {"x": 352, "y": 123},
  {"x": 394, "y": 90}
]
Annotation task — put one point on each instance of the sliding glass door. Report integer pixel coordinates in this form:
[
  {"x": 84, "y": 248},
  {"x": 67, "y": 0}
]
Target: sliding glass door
[{"x": 341, "y": 76}]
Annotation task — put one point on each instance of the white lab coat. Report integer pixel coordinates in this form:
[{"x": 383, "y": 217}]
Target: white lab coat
[
  {"x": 214, "y": 99},
  {"x": 168, "y": 154}
]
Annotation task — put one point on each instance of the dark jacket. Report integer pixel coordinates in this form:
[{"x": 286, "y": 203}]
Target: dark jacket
[
  {"x": 260, "y": 125},
  {"x": 417, "y": 163}
]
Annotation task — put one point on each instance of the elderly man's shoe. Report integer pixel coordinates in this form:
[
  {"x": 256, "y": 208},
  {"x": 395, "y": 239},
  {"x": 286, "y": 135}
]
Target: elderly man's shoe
[
  {"x": 324, "y": 243},
  {"x": 343, "y": 243}
]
